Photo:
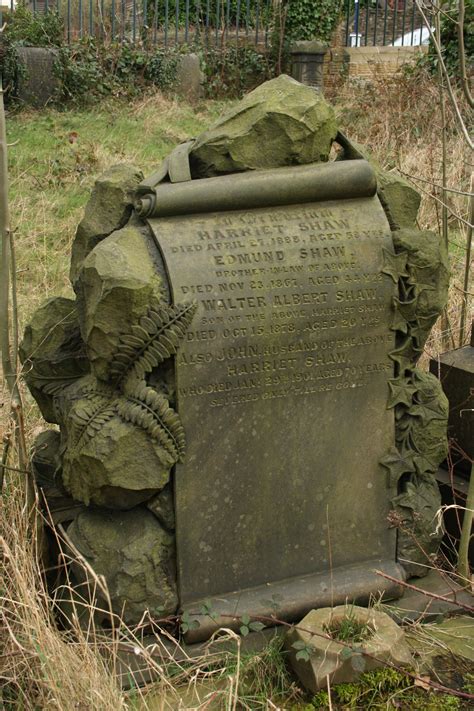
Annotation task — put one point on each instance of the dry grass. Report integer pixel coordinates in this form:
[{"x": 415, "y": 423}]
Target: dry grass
[
  {"x": 40, "y": 665},
  {"x": 398, "y": 119}
]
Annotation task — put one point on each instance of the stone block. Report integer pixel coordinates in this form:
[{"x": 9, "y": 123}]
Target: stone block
[
  {"x": 135, "y": 556},
  {"x": 38, "y": 87},
  {"x": 108, "y": 209},
  {"x": 189, "y": 77},
  {"x": 344, "y": 662},
  {"x": 282, "y": 122}
]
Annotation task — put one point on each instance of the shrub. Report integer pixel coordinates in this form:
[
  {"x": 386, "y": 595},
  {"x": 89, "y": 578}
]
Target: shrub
[
  {"x": 311, "y": 19},
  {"x": 449, "y": 37},
  {"x": 234, "y": 70}
]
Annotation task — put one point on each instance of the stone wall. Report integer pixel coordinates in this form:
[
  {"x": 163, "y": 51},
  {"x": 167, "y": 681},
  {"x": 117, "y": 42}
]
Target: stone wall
[{"x": 365, "y": 63}]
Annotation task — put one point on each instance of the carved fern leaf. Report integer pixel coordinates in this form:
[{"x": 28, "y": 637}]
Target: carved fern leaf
[
  {"x": 148, "y": 343},
  {"x": 145, "y": 407},
  {"x": 54, "y": 379},
  {"x": 88, "y": 416}
]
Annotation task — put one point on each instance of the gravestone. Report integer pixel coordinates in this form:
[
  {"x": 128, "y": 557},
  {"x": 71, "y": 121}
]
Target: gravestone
[
  {"x": 287, "y": 356},
  {"x": 245, "y": 388}
]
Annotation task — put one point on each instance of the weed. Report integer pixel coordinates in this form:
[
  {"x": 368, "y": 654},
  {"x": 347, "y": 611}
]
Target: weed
[
  {"x": 349, "y": 629},
  {"x": 381, "y": 689}
]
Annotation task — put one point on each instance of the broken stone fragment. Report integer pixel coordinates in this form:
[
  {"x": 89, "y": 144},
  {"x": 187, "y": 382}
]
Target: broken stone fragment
[
  {"x": 52, "y": 353},
  {"x": 108, "y": 209},
  {"x": 282, "y": 122},
  {"x": 46, "y": 459},
  {"x": 136, "y": 557},
  {"x": 115, "y": 286},
  {"x": 399, "y": 199},
  {"x": 343, "y": 662},
  {"x": 162, "y": 507},
  {"x": 428, "y": 268}
]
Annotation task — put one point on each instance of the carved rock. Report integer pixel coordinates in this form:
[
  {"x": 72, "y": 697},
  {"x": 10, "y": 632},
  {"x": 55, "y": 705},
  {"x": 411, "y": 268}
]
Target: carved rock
[
  {"x": 101, "y": 463},
  {"x": 108, "y": 209},
  {"x": 162, "y": 506},
  {"x": 135, "y": 556},
  {"x": 52, "y": 352},
  {"x": 428, "y": 268},
  {"x": 429, "y": 427},
  {"x": 336, "y": 660},
  {"x": 419, "y": 501},
  {"x": 116, "y": 283},
  {"x": 46, "y": 459},
  {"x": 418, "y": 539},
  {"x": 400, "y": 200},
  {"x": 282, "y": 122}
]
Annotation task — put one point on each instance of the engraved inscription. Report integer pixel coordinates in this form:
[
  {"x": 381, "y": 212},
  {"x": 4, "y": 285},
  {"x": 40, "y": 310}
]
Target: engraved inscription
[
  {"x": 281, "y": 385},
  {"x": 291, "y": 283}
]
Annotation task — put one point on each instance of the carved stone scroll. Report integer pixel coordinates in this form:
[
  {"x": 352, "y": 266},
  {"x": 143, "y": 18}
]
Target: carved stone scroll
[{"x": 282, "y": 385}]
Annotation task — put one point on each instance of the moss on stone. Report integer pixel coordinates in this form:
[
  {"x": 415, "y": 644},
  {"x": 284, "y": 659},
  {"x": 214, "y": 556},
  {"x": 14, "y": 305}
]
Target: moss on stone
[
  {"x": 136, "y": 557},
  {"x": 282, "y": 122},
  {"x": 52, "y": 352},
  {"x": 117, "y": 283},
  {"x": 108, "y": 209}
]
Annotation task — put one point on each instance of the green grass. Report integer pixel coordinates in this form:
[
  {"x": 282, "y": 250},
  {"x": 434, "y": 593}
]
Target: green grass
[{"x": 54, "y": 158}]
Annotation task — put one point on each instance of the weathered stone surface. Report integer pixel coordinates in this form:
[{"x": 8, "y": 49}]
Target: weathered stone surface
[
  {"x": 117, "y": 282},
  {"x": 39, "y": 83},
  {"x": 108, "y": 461},
  {"x": 336, "y": 660},
  {"x": 280, "y": 123},
  {"x": 418, "y": 538},
  {"x": 429, "y": 428},
  {"x": 52, "y": 352},
  {"x": 162, "y": 506},
  {"x": 135, "y": 556},
  {"x": 46, "y": 458},
  {"x": 419, "y": 535},
  {"x": 428, "y": 267},
  {"x": 455, "y": 634},
  {"x": 400, "y": 200},
  {"x": 108, "y": 209},
  {"x": 189, "y": 77}
]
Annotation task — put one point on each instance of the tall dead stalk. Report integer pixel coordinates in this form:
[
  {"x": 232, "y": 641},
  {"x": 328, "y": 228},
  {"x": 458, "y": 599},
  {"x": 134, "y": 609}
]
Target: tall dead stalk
[
  {"x": 8, "y": 287},
  {"x": 446, "y": 87}
]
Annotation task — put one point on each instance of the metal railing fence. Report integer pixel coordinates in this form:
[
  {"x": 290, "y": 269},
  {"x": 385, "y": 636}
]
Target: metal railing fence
[
  {"x": 163, "y": 22},
  {"x": 177, "y": 22},
  {"x": 385, "y": 22}
]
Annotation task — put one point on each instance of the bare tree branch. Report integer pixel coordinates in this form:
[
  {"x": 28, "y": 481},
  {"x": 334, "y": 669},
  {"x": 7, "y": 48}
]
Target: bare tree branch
[
  {"x": 452, "y": 98},
  {"x": 462, "y": 55}
]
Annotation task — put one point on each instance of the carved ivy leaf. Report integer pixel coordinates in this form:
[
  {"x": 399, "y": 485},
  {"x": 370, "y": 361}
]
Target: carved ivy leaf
[
  {"x": 148, "y": 343},
  {"x": 406, "y": 308},
  {"x": 401, "y": 356},
  {"x": 423, "y": 465},
  {"x": 395, "y": 265},
  {"x": 145, "y": 407},
  {"x": 401, "y": 392},
  {"x": 397, "y": 464},
  {"x": 407, "y": 290},
  {"x": 399, "y": 322},
  {"x": 428, "y": 411}
]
